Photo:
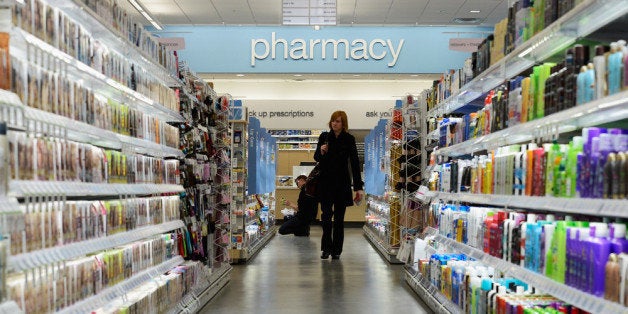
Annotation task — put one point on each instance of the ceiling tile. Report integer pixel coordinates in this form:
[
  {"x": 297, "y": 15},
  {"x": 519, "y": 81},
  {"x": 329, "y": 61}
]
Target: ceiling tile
[
  {"x": 266, "y": 12},
  {"x": 404, "y": 9},
  {"x": 234, "y": 11}
]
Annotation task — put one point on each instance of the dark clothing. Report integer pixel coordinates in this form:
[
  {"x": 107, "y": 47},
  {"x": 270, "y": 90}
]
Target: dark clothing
[
  {"x": 340, "y": 166},
  {"x": 299, "y": 225}
]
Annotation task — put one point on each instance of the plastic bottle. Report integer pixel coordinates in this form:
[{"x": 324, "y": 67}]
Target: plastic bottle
[
  {"x": 581, "y": 86},
  {"x": 599, "y": 249},
  {"x": 614, "y": 69},
  {"x": 4, "y": 159},
  {"x": 589, "y": 82},
  {"x": 617, "y": 237},
  {"x": 599, "y": 65},
  {"x": 612, "y": 279}
]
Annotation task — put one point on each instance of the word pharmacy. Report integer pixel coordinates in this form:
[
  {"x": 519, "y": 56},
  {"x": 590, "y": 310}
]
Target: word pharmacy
[{"x": 299, "y": 48}]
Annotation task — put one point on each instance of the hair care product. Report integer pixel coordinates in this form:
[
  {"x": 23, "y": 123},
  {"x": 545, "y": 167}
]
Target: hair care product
[
  {"x": 612, "y": 279},
  {"x": 599, "y": 65},
  {"x": 599, "y": 249},
  {"x": 617, "y": 237},
  {"x": 4, "y": 159}
]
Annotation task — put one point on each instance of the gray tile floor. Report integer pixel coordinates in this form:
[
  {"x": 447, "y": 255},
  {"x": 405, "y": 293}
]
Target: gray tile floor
[{"x": 288, "y": 276}]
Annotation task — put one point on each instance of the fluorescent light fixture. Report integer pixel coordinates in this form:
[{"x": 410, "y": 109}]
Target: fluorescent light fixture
[
  {"x": 474, "y": 11},
  {"x": 298, "y": 75},
  {"x": 239, "y": 75},
  {"x": 147, "y": 16}
]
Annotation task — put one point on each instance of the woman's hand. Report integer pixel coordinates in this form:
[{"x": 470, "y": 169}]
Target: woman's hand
[
  {"x": 358, "y": 197},
  {"x": 324, "y": 149}
]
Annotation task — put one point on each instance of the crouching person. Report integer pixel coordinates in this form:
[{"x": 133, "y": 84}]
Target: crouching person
[{"x": 306, "y": 210}]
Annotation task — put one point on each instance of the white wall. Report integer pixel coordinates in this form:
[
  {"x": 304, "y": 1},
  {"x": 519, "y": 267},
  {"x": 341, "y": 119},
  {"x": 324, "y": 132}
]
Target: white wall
[{"x": 310, "y": 103}]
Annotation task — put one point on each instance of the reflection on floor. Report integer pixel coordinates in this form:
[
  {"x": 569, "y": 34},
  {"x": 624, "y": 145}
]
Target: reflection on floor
[{"x": 288, "y": 276}]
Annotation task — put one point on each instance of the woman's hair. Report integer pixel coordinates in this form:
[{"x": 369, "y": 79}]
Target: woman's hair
[
  {"x": 301, "y": 177},
  {"x": 343, "y": 118}
]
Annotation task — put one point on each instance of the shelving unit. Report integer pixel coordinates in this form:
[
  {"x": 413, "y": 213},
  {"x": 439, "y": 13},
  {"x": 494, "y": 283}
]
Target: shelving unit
[
  {"x": 120, "y": 103},
  {"x": 106, "y": 86},
  {"x": 97, "y": 26},
  {"x": 296, "y": 139},
  {"x": 608, "y": 109},
  {"x": 563, "y": 292},
  {"x": 23, "y": 262},
  {"x": 239, "y": 159},
  {"x": 585, "y": 19},
  {"x": 581, "y": 21},
  {"x": 202, "y": 293},
  {"x": 120, "y": 289},
  {"x": 584, "y": 206},
  {"x": 434, "y": 299}
]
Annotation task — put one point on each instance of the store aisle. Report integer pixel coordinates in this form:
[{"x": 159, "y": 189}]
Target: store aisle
[{"x": 288, "y": 276}]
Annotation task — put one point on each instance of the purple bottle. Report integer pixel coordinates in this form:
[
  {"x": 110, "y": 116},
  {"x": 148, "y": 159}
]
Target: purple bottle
[
  {"x": 599, "y": 250},
  {"x": 617, "y": 237}
]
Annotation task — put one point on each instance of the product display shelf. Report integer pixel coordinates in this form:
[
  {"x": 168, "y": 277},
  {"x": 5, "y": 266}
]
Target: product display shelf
[
  {"x": 202, "y": 293},
  {"x": 584, "y": 206},
  {"x": 580, "y": 299},
  {"x": 382, "y": 246},
  {"x": 119, "y": 290},
  {"x": 95, "y": 25},
  {"x": 23, "y": 188},
  {"x": 10, "y": 307},
  {"x": 582, "y": 20},
  {"x": 52, "y": 255},
  {"x": 255, "y": 246},
  {"x": 608, "y": 109},
  {"x": 62, "y": 127},
  {"x": 77, "y": 70},
  {"x": 434, "y": 299}
]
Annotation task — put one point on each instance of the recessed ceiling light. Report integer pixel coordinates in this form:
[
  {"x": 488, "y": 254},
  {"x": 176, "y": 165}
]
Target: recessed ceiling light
[
  {"x": 466, "y": 20},
  {"x": 474, "y": 11}
]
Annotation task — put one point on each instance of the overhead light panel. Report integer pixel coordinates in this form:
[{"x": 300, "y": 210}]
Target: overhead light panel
[
  {"x": 309, "y": 12},
  {"x": 474, "y": 11},
  {"x": 147, "y": 16}
]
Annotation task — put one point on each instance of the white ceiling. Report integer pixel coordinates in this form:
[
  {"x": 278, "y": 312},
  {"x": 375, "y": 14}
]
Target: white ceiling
[{"x": 349, "y": 12}]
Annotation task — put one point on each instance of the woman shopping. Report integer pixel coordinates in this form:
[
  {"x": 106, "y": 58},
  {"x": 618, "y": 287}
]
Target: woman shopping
[{"x": 337, "y": 156}]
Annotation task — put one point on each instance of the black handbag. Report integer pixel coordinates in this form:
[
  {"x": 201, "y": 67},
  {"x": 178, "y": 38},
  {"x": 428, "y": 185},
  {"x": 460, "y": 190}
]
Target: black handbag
[{"x": 311, "y": 183}]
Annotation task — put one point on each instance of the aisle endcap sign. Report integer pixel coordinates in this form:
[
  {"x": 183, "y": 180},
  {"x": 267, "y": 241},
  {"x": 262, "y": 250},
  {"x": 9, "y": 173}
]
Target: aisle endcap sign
[{"x": 301, "y": 49}]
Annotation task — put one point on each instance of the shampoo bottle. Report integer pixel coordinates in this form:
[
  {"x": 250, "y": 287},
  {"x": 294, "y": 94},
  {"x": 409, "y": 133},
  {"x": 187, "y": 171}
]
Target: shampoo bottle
[
  {"x": 614, "y": 69},
  {"x": 581, "y": 86},
  {"x": 599, "y": 250},
  {"x": 599, "y": 65},
  {"x": 617, "y": 236},
  {"x": 589, "y": 82},
  {"x": 612, "y": 279},
  {"x": 4, "y": 159}
]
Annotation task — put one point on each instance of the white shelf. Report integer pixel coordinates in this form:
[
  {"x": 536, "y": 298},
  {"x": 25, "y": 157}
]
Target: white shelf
[
  {"x": 10, "y": 307},
  {"x": 384, "y": 248},
  {"x": 202, "y": 293},
  {"x": 280, "y": 149},
  {"x": 605, "y": 110},
  {"x": 86, "y": 133},
  {"x": 101, "y": 299},
  {"x": 294, "y": 142},
  {"x": 51, "y": 255},
  {"x": 580, "y": 22},
  {"x": 563, "y": 292},
  {"x": 21, "y": 188},
  {"x": 97, "y": 27},
  {"x": 96, "y": 80},
  {"x": 584, "y": 206},
  {"x": 434, "y": 299},
  {"x": 300, "y": 135}
]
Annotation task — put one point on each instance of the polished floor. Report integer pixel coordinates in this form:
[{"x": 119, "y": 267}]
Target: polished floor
[{"x": 288, "y": 276}]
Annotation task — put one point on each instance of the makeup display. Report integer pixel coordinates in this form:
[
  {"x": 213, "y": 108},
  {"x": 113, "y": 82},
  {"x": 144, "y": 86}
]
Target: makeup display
[
  {"x": 53, "y": 159},
  {"x": 60, "y": 31},
  {"x": 49, "y": 223},
  {"x": 48, "y": 90},
  {"x": 56, "y": 287}
]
